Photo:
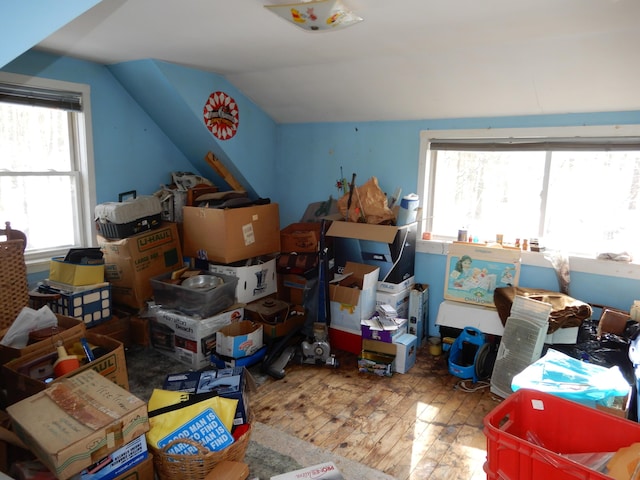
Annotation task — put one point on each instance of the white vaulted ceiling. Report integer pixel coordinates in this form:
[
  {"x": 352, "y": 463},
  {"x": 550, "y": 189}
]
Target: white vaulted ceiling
[{"x": 408, "y": 59}]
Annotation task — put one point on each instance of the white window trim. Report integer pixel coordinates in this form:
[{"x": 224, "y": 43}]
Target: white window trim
[
  {"x": 580, "y": 264},
  {"x": 87, "y": 192}
]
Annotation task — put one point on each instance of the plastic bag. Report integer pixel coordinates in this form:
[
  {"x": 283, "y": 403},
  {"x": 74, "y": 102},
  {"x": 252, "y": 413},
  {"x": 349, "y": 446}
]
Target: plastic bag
[
  {"x": 28, "y": 320},
  {"x": 566, "y": 377},
  {"x": 368, "y": 202}
]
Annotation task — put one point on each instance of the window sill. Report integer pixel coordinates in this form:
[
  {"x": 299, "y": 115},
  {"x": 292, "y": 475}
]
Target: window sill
[{"x": 608, "y": 268}]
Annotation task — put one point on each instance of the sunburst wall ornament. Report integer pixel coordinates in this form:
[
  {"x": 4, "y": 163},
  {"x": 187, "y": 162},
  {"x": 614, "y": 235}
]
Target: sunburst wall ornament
[
  {"x": 221, "y": 115},
  {"x": 316, "y": 15}
]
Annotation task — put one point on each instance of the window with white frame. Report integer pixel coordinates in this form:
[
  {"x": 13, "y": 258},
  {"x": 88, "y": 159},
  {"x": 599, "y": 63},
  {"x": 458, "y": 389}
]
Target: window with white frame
[
  {"x": 575, "y": 189},
  {"x": 47, "y": 186}
]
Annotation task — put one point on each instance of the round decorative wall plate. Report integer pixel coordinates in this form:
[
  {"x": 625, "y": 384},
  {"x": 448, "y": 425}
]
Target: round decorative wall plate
[{"x": 221, "y": 115}]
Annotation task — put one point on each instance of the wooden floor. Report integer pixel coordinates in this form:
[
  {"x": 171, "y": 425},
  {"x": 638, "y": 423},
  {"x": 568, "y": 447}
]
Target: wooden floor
[{"x": 419, "y": 425}]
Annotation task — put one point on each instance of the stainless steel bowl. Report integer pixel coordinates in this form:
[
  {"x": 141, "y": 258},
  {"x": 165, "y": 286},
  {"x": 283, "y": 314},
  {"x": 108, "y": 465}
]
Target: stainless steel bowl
[{"x": 202, "y": 282}]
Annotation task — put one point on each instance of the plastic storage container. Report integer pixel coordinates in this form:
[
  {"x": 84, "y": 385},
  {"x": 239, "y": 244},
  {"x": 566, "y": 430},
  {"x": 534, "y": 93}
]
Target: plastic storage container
[
  {"x": 464, "y": 352},
  {"x": 117, "y": 220},
  {"x": 529, "y": 432},
  {"x": 193, "y": 301}
]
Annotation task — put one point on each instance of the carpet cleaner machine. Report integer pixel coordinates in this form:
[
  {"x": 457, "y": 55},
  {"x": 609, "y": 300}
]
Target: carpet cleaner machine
[{"x": 314, "y": 348}]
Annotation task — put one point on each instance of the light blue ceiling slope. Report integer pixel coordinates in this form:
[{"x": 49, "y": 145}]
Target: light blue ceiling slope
[
  {"x": 25, "y": 23},
  {"x": 174, "y": 97}
]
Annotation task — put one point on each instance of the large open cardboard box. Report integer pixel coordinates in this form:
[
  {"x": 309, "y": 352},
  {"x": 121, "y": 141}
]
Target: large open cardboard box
[
  {"x": 354, "y": 297},
  {"x": 232, "y": 234},
  {"x": 29, "y": 374},
  {"x": 77, "y": 421},
  {"x": 68, "y": 328}
]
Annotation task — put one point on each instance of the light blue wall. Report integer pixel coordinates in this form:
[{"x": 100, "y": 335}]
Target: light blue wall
[
  {"x": 174, "y": 97},
  {"x": 310, "y": 157},
  {"x": 294, "y": 165}
]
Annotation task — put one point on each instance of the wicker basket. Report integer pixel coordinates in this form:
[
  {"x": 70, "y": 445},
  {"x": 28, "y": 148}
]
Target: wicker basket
[
  {"x": 169, "y": 466},
  {"x": 14, "y": 290}
]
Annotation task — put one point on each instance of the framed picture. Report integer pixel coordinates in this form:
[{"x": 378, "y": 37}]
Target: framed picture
[{"x": 475, "y": 271}]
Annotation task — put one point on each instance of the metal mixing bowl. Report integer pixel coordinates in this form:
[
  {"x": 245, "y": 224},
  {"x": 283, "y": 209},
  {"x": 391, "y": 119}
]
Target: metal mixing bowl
[{"x": 202, "y": 282}]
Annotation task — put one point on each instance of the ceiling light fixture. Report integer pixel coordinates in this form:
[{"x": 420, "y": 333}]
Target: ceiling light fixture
[{"x": 316, "y": 15}]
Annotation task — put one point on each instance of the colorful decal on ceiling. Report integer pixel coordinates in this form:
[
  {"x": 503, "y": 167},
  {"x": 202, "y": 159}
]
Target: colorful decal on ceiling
[{"x": 221, "y": 115}]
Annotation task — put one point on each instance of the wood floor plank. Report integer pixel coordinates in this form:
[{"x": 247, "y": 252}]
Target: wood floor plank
[{"x": 417, "y": 425}]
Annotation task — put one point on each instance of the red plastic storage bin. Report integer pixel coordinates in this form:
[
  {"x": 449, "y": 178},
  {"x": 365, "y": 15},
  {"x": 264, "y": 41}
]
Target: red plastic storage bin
[{"x": 559, "y": 426}]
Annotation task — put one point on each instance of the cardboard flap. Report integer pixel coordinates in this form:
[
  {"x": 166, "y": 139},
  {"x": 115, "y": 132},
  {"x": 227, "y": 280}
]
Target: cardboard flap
[
  {"x": 379, "y": 347},
  {"x": 366, "y": 275},
  {"x": 363, "y": 231},
  {"x": 344, "y": 295}
]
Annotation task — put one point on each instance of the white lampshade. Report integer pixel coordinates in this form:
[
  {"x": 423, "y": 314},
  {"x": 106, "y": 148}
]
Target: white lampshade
[{"x": 316, "y": 15}]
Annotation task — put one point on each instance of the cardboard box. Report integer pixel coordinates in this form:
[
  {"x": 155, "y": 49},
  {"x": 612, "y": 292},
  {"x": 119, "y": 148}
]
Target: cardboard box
[
  {"x": 406, "y": 350},
  {"x": 233, "y": 382},
  {"x": 419, "y": 312},
  {"x": 30, "y": 374},
  {"x": 377, "y": 358},
  {"x": 256, "y": 277},
  {"x": 294, "y": 320},
  {"x": 354, "y": 297},
  {"x": 140, "y": 332},
  {"x": 391, "y": 248},
  {"x": 291, "y": 288},
  {"x": 229, "y": 470},
  {"x": 118, "y": 462},
  {"x": 322, "y": 471},
  {"x": 89, "y": 303},
  {"x": 398, "y": 300},
  {"x": 77, "y": 420},
  {"x": 75, "y": 274},
  {"x": 232, "y": 234},
  {"x": 117, "y": 327},
  {"x": 239, "y": 339},
  {"x": 301, "y": 237},
  {"x": 220, "y": 361},
  {"x": 396, "y": 287},
  {"x": 189, "y": 340},
  {"x": 388, "y": 336},
  {"x": 131, "y": 262},
  {"x": 475, "y": 271},
  {"x": 142, "y": 471},
  {"x": 69, "y": 329},
  {"x": 402, "y": 352}
]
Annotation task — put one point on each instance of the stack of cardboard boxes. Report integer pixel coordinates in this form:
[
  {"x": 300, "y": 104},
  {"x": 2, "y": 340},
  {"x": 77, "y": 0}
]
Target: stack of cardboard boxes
[
  {"x": 242, "y": 243},
  {"x": 381, "y": 258}
]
